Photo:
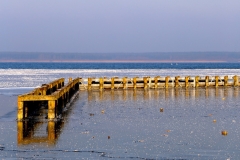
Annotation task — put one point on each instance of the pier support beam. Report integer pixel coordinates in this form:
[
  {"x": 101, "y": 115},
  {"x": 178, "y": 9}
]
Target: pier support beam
[
  {"x": 89, "y": 83},
  {"x": 101, "y": 81},
  {"x": 135, "y": 83},
  {"x": 197, "y": 81},
  {"x": 156, "y": 82},
  {"x": 145, "y": 81},
  {"x": 125, "y": 83},
  {"x": 206, "y": 81},
  {"x": 51, "y": 109},
  {"x": 225, "y": 81},
  {"x": 235, "y": 81},
  {"x": 166, "y": 81},
  {"x": 216, "y": 81},
  {"x": 186, "y": 82},
  {"x": 20, "y": 114},
  {"x": 112, "y": 83},
  {"x": 176, "y": 82}
]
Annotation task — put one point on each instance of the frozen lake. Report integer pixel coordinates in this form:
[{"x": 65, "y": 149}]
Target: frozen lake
[{"x": 128, "y": 124}]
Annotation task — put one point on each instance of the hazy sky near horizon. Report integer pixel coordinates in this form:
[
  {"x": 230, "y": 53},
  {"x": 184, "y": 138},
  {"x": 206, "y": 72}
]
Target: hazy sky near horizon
[{"x": 119, "y": 25}]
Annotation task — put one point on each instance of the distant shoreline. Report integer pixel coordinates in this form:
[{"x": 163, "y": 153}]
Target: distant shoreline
[
  {"x": 116, "y": 62},
  {"x": 151, "y": 57}
]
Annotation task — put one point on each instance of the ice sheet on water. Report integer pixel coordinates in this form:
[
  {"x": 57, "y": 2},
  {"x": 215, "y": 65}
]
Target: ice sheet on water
[{"x": 36, "y": 77}]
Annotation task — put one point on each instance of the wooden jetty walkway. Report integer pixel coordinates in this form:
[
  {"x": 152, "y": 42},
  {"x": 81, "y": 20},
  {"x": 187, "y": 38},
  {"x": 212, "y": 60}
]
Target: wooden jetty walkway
[
  {"x": 56, "y": 95},
  {"x": 157, "y": 82}
]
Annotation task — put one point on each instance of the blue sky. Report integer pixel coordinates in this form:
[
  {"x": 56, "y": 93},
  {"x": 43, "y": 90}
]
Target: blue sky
[{"x": 119, "y": 25}]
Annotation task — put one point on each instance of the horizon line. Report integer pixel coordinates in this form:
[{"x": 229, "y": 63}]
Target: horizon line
[
  {"x": 117, "y": 61},
  {"x": 117, "y": 52}
]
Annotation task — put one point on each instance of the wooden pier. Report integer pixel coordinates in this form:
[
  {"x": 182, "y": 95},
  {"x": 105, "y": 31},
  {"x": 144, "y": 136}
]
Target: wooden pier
[
  {"x": 157, "y": 82},
  {"x": 55, "y": 95}
]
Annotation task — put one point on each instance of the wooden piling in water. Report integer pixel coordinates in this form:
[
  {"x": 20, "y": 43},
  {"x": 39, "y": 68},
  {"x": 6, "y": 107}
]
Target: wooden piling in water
[
  {"x": 216, "y": 81},
  {"x": 145, "y": 81},
  {"x": 176, "y": 82},
  {"x": 124, "y": 82},
  {"x": 112, "y": 83},
  {"x": 186, "y": 82},
  {"x": 89, "y": 83},
  {"x": 135, "y": 83},
  {"x": 158, "y": 82},
  {"x": 206, "y": 81},
  {"x": 166, "y": 81},
  {"x": 225, "y": 81},
  {"x": 236, "y": 83}
]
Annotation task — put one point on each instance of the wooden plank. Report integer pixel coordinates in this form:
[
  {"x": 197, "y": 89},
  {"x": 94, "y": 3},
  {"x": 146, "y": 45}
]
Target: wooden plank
[{"x": 36, "y": 98}]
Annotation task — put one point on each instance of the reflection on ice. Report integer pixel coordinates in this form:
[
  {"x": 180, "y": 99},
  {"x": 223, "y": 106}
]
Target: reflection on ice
[
  {"x": 27, "y": 130},
  {"x": 158, "y": 94}
]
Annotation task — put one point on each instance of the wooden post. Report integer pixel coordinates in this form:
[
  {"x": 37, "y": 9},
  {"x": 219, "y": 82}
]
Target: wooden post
[
  {"x": 206, "y": 81},
  {"x": 176, "y": 82},
  {"x": 166, "y": 81},
  {"x": 225, "y": 81},
  {"x": 149, "y": 82},
  {"x": 50, "y": 88},
  {"x": 112, "y": 83},
  {"x": 20, "y": 110},
  {"x": 197, "y": 81},
  {"x": 156, "y": 82},
  {"x": 44, "y": 91},
  {"x": 51, "y": 109},
  {"x": 124, "y": 82},
  {"x": 145, "y": 79},
  {"x": 186, "y": 82},
  {"x": 216, "y": 81},
  {"x": 101, "y": 83},
  {"x": 69, "y": 79},
  {"x": 135, "y": 83},
  {"x": 89, "y": 83},
  {"x": 235, "y": 78}
]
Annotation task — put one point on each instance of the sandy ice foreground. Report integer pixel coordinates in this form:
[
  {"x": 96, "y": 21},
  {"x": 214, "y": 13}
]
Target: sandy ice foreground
[{"x": 128, "y": 124}]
